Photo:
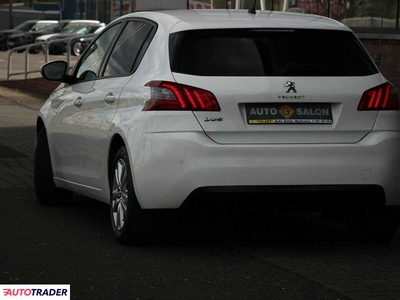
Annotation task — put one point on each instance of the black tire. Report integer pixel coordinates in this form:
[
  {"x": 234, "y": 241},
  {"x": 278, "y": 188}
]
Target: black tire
[
  {"x": 130, "y": 223},
  {"x": 374, "y": 225},
  {"x": 46, "y": 191},
  {"x": 76, "y": 49}
]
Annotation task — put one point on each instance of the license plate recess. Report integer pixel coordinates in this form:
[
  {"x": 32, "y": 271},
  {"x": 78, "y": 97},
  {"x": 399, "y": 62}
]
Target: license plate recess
[{"x": 288, "y": 113}]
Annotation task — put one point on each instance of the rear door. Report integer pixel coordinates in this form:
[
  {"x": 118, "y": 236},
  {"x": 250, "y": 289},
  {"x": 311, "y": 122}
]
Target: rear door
[
  {"x": 64, "y": 128},
  {"x": 279, "y": 86},
  {"x": 102, "y": 102}
]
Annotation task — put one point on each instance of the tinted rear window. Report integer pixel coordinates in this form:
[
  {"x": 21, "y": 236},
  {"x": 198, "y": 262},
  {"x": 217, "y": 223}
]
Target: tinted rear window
[{"x": 263, "y": 52}]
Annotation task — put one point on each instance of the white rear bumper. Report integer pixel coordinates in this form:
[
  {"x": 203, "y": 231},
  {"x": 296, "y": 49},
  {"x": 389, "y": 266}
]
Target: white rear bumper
[{"x": 172, "y": 165}]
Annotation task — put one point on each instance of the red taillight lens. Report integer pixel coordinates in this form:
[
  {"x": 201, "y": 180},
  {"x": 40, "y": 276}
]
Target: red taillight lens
[
  {"x": 167, "y": 95},
  {"x": 381, "y": 97}
]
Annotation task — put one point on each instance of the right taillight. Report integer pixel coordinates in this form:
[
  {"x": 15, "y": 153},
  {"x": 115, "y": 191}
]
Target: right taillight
[{"x": 381, "y": 97}]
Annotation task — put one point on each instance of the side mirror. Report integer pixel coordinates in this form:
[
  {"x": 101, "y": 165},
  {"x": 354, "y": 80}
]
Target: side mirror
[
  {"x": 54, "y": 70},
  {"x": 87, "y": 75}
]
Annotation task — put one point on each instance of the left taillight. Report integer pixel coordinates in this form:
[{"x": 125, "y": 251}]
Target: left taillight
[
  {"x": 166, "y": 95},
  {"x": 381, "y": 97}
]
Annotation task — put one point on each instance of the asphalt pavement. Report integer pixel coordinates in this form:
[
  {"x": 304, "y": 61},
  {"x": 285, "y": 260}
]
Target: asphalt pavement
[{"x": 207, "y": 257}]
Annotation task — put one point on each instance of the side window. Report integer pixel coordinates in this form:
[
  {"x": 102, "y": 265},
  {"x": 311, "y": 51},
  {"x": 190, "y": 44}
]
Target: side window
[
  {"x": 125, "y": 55},
  {"x": 91, "y": 63}
]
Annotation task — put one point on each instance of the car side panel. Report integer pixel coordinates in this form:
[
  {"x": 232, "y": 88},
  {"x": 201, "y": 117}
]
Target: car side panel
[
  {"x": 99, "y": 108},
  {"x": 63, "y": 115}
]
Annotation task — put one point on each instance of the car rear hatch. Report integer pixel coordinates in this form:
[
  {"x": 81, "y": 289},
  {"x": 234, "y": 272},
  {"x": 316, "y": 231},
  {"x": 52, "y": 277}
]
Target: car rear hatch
[{"x": 280, "y": 86}]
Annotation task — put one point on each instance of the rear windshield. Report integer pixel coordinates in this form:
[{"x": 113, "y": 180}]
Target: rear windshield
[{"x": 269, "y": 52}]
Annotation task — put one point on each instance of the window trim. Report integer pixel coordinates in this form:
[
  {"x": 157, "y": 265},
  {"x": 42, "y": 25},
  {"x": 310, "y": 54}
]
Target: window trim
[
  {"x": 109, "y": 52},
  {"x": 105, "y": 58},
  {"x": 141, "y": 52}
]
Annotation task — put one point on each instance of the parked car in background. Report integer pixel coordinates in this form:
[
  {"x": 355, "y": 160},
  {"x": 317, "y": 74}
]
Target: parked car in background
[
  {"x": 68, "y": 27},
  {"x": 27, "y": 38},
  {"x": 81, "y": 43},
  {"x": 175, "y": 109},
  {"x": 60, "y": 47},
  {"x": 31, "y": 25}
]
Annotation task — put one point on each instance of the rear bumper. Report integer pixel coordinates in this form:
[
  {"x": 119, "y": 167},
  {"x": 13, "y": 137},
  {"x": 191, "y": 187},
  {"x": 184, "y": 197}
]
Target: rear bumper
[
  {"x": 171, "y": 166},
  {"x": 56, "y": 47},
  {"x": 37, "y": 48}
]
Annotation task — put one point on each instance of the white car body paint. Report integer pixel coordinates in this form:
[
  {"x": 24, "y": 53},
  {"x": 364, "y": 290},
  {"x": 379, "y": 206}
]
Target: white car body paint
[{"x": 172, "y": 153}]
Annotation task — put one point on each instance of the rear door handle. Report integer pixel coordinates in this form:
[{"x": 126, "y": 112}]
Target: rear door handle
[
  {"x": 78, "y": 102},
  {"x": 109, "y": 98}
]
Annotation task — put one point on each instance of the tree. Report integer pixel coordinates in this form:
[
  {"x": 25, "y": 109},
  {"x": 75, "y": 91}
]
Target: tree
[
  {"x": 353, "y": 7},
  {"x": 377, "y": 8}
]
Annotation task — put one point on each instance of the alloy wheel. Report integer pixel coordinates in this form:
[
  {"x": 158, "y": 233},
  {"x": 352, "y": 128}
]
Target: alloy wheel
[
  {"x": 77, "y": 49},
  {"x": 119, "y": 195}
]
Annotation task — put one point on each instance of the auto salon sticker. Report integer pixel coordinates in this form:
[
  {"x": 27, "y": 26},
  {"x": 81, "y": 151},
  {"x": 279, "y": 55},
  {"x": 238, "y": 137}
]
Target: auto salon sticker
[{"x": 289, "y": 113}]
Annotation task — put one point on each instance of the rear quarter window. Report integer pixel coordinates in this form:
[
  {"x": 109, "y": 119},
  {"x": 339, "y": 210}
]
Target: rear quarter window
[{"x": 269, "y": 52}]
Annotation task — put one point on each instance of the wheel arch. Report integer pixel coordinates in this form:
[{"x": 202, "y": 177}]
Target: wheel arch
[
  {"x": 116, "y": 142},
  {"x": 39, "y": 125}
]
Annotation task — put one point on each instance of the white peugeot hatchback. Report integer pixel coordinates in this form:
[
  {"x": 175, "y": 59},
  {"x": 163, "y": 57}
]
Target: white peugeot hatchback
[{"x": 164, "y": 107}]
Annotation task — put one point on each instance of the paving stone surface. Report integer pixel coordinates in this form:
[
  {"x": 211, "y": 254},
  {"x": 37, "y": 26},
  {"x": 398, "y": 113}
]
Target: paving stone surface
[
  {"x": 359, "y": 271},
  {"x": 18, "y": 112}
]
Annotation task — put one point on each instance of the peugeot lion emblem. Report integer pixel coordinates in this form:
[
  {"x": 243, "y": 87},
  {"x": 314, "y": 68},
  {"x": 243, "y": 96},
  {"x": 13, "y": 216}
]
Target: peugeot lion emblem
[{"x": 291, "y": 85}]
